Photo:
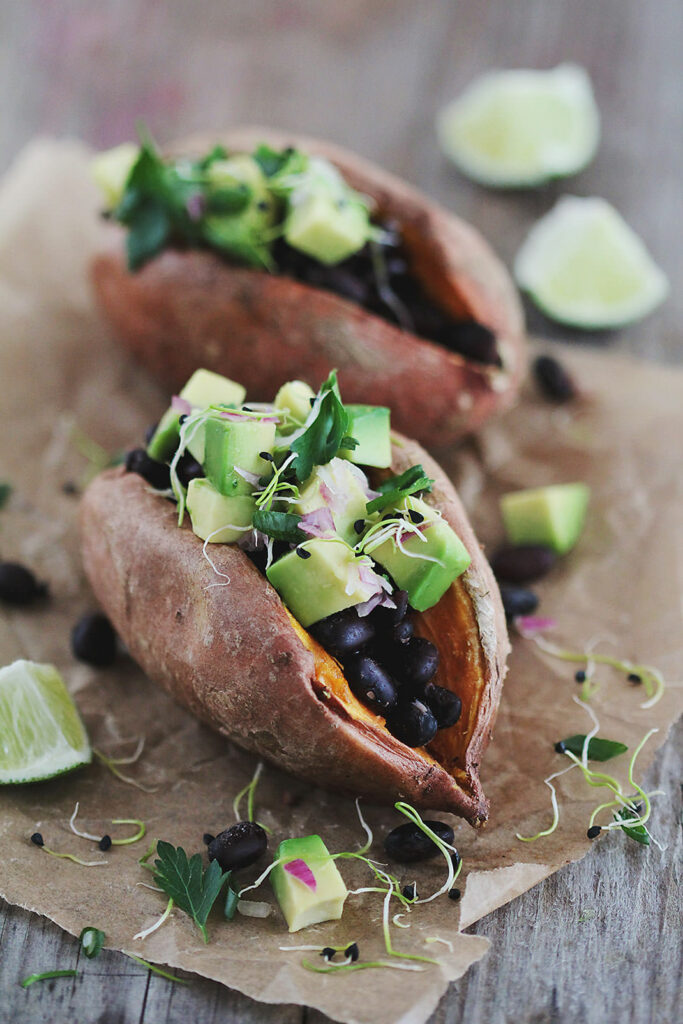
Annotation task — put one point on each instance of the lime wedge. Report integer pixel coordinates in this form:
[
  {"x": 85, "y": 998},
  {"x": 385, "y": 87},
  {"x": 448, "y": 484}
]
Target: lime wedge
[
  {"x": 516, "y": 129},
  {"x": 41, "y": 733},
  {"x": 584, "y": 266}
]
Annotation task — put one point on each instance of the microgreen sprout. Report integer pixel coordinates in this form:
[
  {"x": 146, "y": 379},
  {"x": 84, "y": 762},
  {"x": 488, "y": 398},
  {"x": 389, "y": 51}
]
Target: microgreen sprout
[
  {"x": 436, "y": 938},
  {"x": 445, "y": 848},
  {"x": 147, "y": 855},
  {"x": 368, "y": 831},
  {"x": 651, "y": 678},
  {"x": 156, "y": 970},
  {"x": 277, "y": 486},
  {"x": 115, "y": 821},
  {"x": 66, "y": 856},
  {"x": 190, "y": 426},
  {"x": 396, "y": 528},
  {"x": 46, "y": 975},
  {"x": 157, "y": 924},
  {"x": 112, "y": 763},
  {"x": 250, "y": 792}
]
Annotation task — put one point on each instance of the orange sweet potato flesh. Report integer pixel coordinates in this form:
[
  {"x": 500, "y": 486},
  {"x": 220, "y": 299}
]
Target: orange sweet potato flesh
[
  {"x": 235, "y": 657},
  {"x": 189, "y": 308}
]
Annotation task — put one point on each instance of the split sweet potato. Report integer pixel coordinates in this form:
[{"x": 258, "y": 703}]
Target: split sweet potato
[
  {"x": 190, "y": 308},
  {"x": 236, "y": 658}
]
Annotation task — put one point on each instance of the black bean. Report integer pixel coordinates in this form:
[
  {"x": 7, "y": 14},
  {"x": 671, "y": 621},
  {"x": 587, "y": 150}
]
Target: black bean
[
  {"x": 412, "y": 723},
  {"x": 553, "y": 379},
  {"x": 370, "y": 683},
  {"x": 387, "y": 618},
  {"x": 473, "y": 341},
  {"x": 408, "y": 843},
  {"x": 343, "y": 633},
  {"x": 518, "y": 601},
  {"x": 416, "y": 662},
  {"x": 522, "y": 563},
  {"x": 188, "y": 469},
  {"x": 93, "y": 640},
  {"x": 445, "y": 705},
  {"x": 18, "y": 585},
  {"x": 238, "y": 846},
  {"x": 402, "y": 631},
  {"x": 155, "y": 473}
]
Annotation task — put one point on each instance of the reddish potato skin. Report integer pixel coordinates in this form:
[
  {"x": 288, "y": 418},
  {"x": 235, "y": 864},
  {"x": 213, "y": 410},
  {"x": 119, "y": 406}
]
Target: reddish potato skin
[
  {"x": 186, "y": 309},
  {"x": 231, "y": 656}
]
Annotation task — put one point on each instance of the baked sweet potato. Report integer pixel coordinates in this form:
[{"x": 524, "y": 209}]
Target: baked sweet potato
[
  {"x": 189, "y": 308},
  {"x": 236, "y": 658}
]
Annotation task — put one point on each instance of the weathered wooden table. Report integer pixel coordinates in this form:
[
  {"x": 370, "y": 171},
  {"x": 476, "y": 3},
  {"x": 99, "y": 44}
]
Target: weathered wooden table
[{"x": 600, "y": 942}]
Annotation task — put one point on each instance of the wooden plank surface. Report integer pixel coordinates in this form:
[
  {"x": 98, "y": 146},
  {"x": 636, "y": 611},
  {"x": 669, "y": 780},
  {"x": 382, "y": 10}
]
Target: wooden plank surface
[{"x": 599, "y": 942}]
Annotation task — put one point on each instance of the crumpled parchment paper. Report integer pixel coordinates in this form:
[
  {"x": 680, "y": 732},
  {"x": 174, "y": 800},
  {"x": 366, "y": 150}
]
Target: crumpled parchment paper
[{"x": 63, "y": 381}]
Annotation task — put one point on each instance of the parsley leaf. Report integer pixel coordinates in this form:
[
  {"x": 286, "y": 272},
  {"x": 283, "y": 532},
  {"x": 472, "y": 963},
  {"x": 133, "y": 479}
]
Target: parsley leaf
[
  {"x": 280, "y": 525},
  {"x": 598, "y": 749},
  {"x": 192, "y": 889},
  {"x": 396, "y": 488},
  {"x": 325, "y": 432}
]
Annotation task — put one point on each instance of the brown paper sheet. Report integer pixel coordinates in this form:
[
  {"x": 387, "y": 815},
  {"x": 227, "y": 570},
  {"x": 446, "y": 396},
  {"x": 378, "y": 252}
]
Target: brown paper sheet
[{"x": 60, "y": 371}]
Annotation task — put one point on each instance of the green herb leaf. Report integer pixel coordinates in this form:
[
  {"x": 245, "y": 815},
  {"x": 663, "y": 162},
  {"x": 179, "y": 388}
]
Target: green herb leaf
[
  {"x": 46, "y": 976},
  {"x": 192, "y": 889},
  {"x": 148, "y": 233},
  {"x": 322, "y": 438},
  {"x": 228, "y": 200},
  {"x": 217, "y": 153},
  {"x": 5, "y": 491},
  {"x": 393, "y": 490},
  {"x": 348, "y": 444},
  {"x": 280, "y": 526},
  {"x": 598, "y": 749},
  {"x": 634, "y": 831},
  {"x": 91, "y": 940},
  {"x": 270, "y": 160},
  {"x": 231, "y": 901}
]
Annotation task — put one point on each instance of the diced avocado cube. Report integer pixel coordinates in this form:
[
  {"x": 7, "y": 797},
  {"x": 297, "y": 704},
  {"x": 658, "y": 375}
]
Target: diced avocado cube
[
  {"x": 371, "y": 427},
  {"x": 204, "y": 388},
  {"x": 296, "y": 397},
  {"x": 215, "y": 517},
  {"x": 245, "y": 234},
  {"x": 425, "y": 581},
  {"x": 552, "y": 515},
  {"x": 323, "y": 583},
  {"x": 300, "y": 904},
  {"x": 233, "y": 445},
  {"x": 344, "y": 485},
  {"x": 328, "y": 228},
  {"x": 111, "y": 170}
]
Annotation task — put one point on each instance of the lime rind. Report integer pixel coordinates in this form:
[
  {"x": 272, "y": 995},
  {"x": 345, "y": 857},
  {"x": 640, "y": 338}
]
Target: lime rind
[
  {"x": 41, "y": 732},
  {"x": 585, "y": 267},
  {"x": 521, "y": 128}
]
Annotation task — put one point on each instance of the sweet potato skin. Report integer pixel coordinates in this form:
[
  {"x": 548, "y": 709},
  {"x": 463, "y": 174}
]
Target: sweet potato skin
[
  {"x": 231, "y": 656},
  {"x": 190, "y": 308}
]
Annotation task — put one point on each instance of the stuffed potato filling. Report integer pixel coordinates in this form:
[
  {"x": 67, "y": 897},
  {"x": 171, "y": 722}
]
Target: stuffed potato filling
[
  {"x": 359, "y": 557},
  {"x": 286, "y": 212}
]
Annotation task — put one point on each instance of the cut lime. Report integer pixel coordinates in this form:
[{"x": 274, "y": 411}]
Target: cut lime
[
  {"x": 516, "y": 129},
  {"x": 584, "y": 266},
  {"x": 41, "y": 733}
]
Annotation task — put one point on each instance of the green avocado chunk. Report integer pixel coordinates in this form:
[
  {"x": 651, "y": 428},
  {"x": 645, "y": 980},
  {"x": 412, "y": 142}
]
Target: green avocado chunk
[
  {"x": 324, "y": 582},
  {"x": 426, "y": 581},
  {"x": 552, "y": 515},
  {"x": 301, "y": 904},
  {"x": 326, "y": 227},
  {"x": 244, "y": 234},
  {"x": 371, "y": 427},
  {"x": 344, "y": 485},
  {"x": 204, "y": 388},
  {"x": 296, "y": 398},
  {"x": 215, "y": 517},
  {"x": 232, "y": 445}
]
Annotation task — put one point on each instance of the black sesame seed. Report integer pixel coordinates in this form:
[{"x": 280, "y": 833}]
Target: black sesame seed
[
  {"x": 327, "y": 952},
  {"x": 634, "y": 678},
  {"x": 105, "y": 843},
  {"x": 408, "y": 891},
  {"x": 580, "y": 676},
  {"x": 454, "y": 894},
  {"x": 247, "y": 408},
  {"x": 262, "y": 205},
  {"x": 359, "y": 525},
  {"x": 37, "y": 839},
  {"x": 303, "y": 553},
  {"x": 560, "y": 747},
  {"x": 266, "y": 456},
  {"x": 352, "y": 952},
  {"x": 416, "y": 517},
  {"x": 181, "y": 419},
  {"x": 593, "y": 831},
  {"x": 207, "y": 838}
]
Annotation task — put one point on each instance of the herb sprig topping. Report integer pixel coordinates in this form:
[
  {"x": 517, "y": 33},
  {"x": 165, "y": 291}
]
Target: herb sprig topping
[
  {"x": 190, "y": 887},
  {"x": 325, "y": 431},
  {"x": 396, "y": 488}
]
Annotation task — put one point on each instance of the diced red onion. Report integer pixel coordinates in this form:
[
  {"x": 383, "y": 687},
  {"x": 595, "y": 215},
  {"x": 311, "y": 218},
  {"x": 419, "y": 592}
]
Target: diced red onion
[
  {"x": 530, "y": 625},
  {"x": 300, "y": 870},
  {"x": 318, "y": 523},
  {"x": 181, "y": 405},
  {"x": 375, "y": 601},
  {"x": 195, "y": 206}
]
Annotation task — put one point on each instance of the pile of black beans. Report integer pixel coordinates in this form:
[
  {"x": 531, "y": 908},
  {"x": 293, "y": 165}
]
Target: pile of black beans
[
  {"x": 356, "y": 279},
  {"x": 390, "y": 670}
]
